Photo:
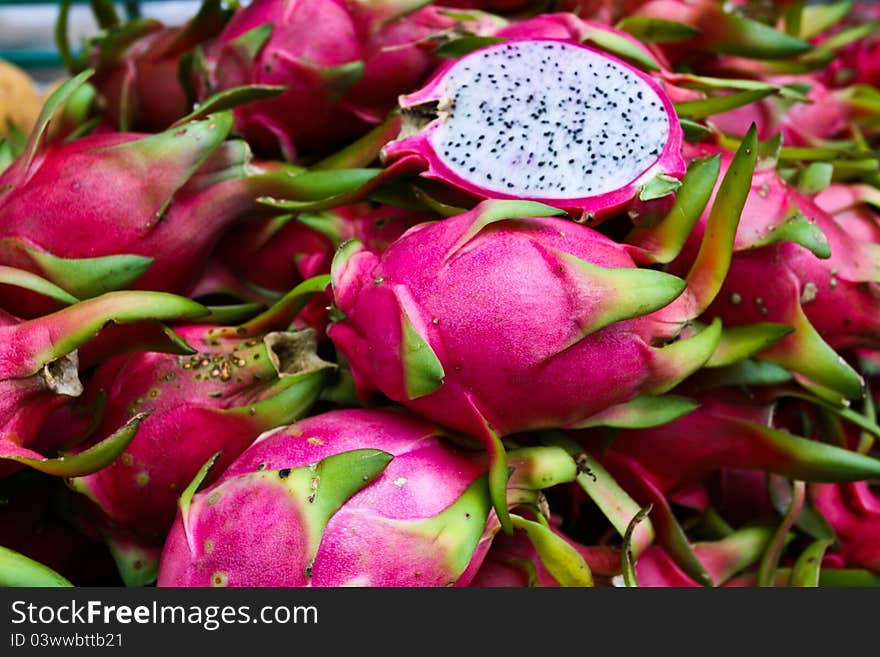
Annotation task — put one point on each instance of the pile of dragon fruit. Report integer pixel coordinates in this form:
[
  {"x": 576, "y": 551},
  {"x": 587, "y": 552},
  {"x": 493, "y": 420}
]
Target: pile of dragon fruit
[{"x": 491, "y": 293}]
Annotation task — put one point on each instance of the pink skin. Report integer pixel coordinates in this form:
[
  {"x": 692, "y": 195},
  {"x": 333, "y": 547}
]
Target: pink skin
[
  {"x": 148, "y": 74},
  {"x": 502, "y": 318},
  {"x": 767, "y": 284},
  {"x": 857, "y": 62},
  {"x": 825, "y": 117},
  {"x": 398, "y": 57},
  {"x": 853, "y": 510},
  {"x": 849, "y": 205},
  {"x": 279, "y": 258},
  {"x": 655, "y": 568},
  {"x": 312, "y": 115},
  {"x": 737, "y": 121},
  {"x": 140, "y": 489},
  {"x": 40, "y": 365},
  {"x": 77, "y": 201},
  {"x": 419, "y": 145},
  {"x": 26, "y": 399},
  {"x": 276, "y": 259},
  {"x": 677, "y": 453},
  {"x": 290, "y": 57},
  {"x": 425, "y": 477}
]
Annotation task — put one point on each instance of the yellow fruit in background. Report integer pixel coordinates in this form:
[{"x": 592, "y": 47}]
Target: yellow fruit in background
[{"x": 20, "y": 99}]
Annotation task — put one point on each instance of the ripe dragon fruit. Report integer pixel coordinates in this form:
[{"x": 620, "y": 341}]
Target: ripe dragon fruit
[
  {"x": 97, "y": 222},
  {"x": 547, "y": 120},
  {"x": 40, "y": 373},
  {"x": 513, "y": 561},
  {"x": 857, "y": 62},
  {"x": 139, "y": 64},
  {"x": 794, "y": 264},
  {"x": 492, "y": 322},
  {"x": 335, "y": 90},
  {"x": 743, "y": 436},
  {"x": 723, "y": 559},
  {"x": 715, "y": 30},
  {"x": 218, "y": 399},
  {"x": 330, "y": 498}
]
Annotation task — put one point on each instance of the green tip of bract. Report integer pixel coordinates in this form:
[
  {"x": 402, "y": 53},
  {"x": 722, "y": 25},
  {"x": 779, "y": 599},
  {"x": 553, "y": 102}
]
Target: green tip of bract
[
  {"x": 17, "y": 570},
  {"x": 86, "y": 462}
]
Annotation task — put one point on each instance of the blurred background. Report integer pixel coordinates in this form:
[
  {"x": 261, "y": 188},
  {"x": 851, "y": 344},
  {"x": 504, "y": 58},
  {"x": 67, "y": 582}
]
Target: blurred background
[{"x": 27, "y": 29}]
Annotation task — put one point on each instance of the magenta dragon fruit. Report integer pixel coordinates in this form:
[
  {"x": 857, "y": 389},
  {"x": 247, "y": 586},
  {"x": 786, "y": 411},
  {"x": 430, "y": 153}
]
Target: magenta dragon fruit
[
  {"x": 853, "y": 511},
  {"x": 549, "y": 120},
  {"x": 328, "y": 499},
  {"x": 716, "y": 30},
  {"x": 41, "y": 372},
  {"x": 334, "y": 90},
  {"x": 513, "y": 561},
  {"x": 795, "y": 264},
  {"x": 493, "y": 321},
  {"x": 97, "y": 222},
  {"x": 217, "y": 399},
  {"x": 139, "y": 64},
  {"x": 857, "y": 62},
  {"x": 723, "y": 559},
  {"x": 744, "y": 435}
]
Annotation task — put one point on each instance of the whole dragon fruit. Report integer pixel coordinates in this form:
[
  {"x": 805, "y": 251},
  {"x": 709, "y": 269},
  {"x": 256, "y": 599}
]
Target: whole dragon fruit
[
  {"x": 795, "y": 264},
  {"x": 217, "y": 399},
  {"x": 140, "y": 66},
  {"x": 329, "y": 499},
  {"x": 549, "y": 120},
  {"x": 113, "y": 210},
  {"x": 492, "y": 322},
  {"x": 40, "y": 373}
]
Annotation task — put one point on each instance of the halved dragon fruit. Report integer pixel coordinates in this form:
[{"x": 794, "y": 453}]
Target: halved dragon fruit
[{"x": 549, "y": 120}]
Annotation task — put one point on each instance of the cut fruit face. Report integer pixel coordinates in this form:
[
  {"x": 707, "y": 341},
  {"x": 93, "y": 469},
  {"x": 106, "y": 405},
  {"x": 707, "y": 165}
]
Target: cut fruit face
[{"x": 546, "y": 120}]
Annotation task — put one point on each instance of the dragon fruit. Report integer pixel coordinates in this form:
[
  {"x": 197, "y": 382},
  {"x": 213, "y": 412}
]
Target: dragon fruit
[
  {"x": 795, "y": 264},
  {"x": 549, "y": 120},
  {"x": 288, "y": 249},
  {"x": 715, "y": 30},
  {"x": 335, "y": 90},
  {"x": 513, "y": 561},
  {"x": 722, "y": 559},
  {"x": 41, "y": 372},
  {"x": 328, "y": 499},
  {"x": 97, "y": 222},
  {"x": 743, "y": 436},
  {"x": 492, "y": 322},
  {"x": 139, "y": 65},
  {"x": 218, "y": 399},
  {"x": 857, "y": 62},
  {"x": 853, "y": 511}
]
